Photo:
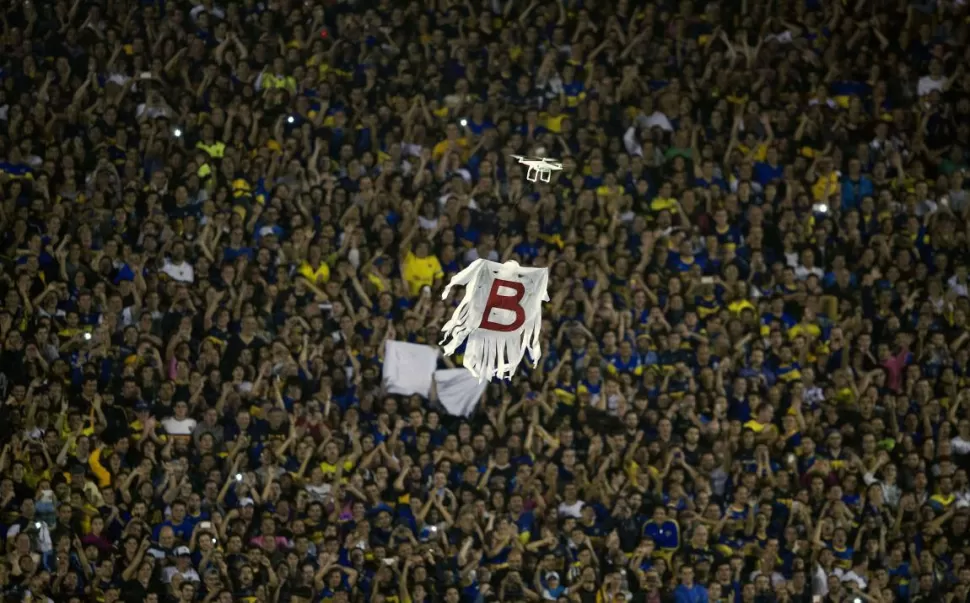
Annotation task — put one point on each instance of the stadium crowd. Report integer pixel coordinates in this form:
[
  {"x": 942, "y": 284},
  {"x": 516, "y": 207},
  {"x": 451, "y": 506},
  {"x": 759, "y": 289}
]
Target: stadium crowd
[{"x": 756, "y": 355}]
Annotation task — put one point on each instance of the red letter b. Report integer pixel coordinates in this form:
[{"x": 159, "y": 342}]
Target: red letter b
[{"x": 504, "y": 302}]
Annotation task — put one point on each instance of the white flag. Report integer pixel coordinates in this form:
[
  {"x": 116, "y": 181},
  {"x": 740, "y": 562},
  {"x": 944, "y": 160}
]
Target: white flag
[
  {"x": 409, "y": 368},
  {"x": 458, "y": 390},
  {"x": 500, "y": 317}
]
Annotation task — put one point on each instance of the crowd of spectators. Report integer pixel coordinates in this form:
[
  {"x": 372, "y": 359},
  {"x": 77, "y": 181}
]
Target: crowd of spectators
[{"x": 756, "y": 359}]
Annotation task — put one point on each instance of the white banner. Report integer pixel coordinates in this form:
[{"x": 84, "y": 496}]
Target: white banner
[
  {"x": 459, "y": 390},
  {"x": 409, "y": 368}
]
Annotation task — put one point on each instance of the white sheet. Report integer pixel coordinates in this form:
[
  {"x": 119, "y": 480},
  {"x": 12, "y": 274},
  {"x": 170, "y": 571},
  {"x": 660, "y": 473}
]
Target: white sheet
[
  {"x": 409, "y": 368},
  {"x": 459, "y": 390}
]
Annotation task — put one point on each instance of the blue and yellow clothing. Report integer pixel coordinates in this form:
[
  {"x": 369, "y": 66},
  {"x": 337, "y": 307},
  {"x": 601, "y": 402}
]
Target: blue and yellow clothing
[
  {"x": 593, "y": 389},
  {"x": 620, "y": 366},
  {"x": 575, "y": 93},
  {"x": 525, "y": 523},
  {"x": 706, "y": 305},
  {"x": 941, "y": 502},
  {"x": 900, "y": 577},
  {"x": 789, "y": 372},
  {"x": 843, "y": 556},
  {"x": 694, "y": 555},
  {"x": 728, "y": 235},
  {"x": 736, "y": 519},
  {"x": 565, "y": 392},
  {"x": 683, "y": 263},
  {"x": 16, "y": 171},
  {"x": 785, "y": 319},
  {"x": 666, "y": 537},
  {"x": 812, "y": 331},
  {"x": 838, "y": 460}
]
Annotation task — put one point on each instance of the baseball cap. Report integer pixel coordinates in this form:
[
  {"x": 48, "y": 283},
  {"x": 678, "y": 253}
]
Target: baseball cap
[
  {"x": 142, "y": 406},
  {"x": 246, "y": 502},
  {"x": 182, "y": 551},
  {"x": 552, "y": 576}
]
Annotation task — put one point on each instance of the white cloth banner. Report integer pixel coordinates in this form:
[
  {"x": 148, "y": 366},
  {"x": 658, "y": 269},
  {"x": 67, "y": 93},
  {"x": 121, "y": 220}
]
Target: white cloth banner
[
  {"x": 500, "y": 317},
  {"x": 409, "y": 368},
  {"x": 459, "y": 390}
]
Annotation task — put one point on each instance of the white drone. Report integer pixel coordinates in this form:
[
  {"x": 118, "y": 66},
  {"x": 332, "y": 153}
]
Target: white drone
[{"x": 540, "y": 168}]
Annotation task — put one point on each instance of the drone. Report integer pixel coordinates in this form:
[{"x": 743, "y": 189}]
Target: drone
[{"x": 540, "y": 168}]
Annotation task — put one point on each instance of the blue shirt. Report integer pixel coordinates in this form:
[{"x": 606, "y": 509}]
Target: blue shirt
[
  {"x": 764, "y": 172},
  {"x": 693, "y": 594}
]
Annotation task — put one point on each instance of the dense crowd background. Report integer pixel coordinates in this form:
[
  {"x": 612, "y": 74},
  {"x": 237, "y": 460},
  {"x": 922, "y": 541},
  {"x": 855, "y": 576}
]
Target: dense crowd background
[{"x": 754, "y": 381}]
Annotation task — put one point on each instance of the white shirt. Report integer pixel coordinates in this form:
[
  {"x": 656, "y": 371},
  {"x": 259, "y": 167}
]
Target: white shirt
[
  {"x": 820, "y": 581},
  {"x": 813, "y": 395},
  {"x": 190, "y": 574},
  {"x": 851, "y": 576},
  {"x": 960, "y": 289},
  {"x": 178, "y": 427},
  {"x": 573, "y": 510},
  {"x": 318, "y": 493},
  {"x": 214, "y": 11},
  {"x": 428, "y": 223},
  {"x": 128, "y": 317},
  {"x": 802, "y": 272},
  {"x": 44, "y": 542},
  {"x": 183, "y": 273},
  {"x": 152, "y": 111},
  {"x": 655, "y": 120},
  {"x": 963, "y": 499},
  {"x": 890, "y": 492},
  {"x": 928, "y": 84},
  {"x": 960, "y": 446}
]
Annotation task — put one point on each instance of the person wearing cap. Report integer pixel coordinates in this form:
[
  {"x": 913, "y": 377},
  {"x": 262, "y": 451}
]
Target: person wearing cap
[
  {"x": 182, "y": 568},
  {"x": 553, "y": 588}
]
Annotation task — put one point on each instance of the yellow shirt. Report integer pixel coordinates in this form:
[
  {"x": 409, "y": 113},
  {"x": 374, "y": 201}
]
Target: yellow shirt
[
  {"x": 285, "y": 82},
  {"x": 660, "y": 204},
  {"x": 758, "y": 153},
  {"x": 331, "y": 469},
  {"x": 421, "y": 272},
  {"x": 825, "y": 185},
  {"x": 554, "y": 123},
  {"x": 442, "y": 147},
  {"x": 808, "y": 330},
  {"x": 216, "y": 149},
  {"x": 320, "y": 274},
  {"x": 755, "y": 426}
]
